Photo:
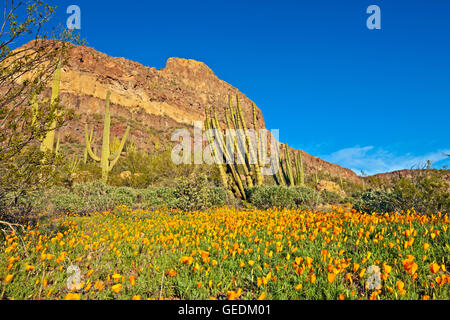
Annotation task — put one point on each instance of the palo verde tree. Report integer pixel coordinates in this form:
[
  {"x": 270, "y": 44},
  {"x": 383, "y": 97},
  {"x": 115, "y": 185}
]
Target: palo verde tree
[{"x": 27, "y": 114}]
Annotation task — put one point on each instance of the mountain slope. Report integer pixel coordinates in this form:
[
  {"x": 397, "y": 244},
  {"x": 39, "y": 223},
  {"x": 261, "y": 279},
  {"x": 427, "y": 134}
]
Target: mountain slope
[{"x": 153, "y": 102}]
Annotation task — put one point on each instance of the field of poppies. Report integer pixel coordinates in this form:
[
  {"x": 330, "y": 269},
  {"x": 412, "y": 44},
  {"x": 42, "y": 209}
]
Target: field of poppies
[{"x": 228, "y": 254}]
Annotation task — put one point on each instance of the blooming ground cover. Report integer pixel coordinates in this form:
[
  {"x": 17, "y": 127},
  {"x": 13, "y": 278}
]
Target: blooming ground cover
[{"x": 229, "y": 254}]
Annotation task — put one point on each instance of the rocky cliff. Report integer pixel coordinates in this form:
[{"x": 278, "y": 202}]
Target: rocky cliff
[{"x": 153, "y": 102}]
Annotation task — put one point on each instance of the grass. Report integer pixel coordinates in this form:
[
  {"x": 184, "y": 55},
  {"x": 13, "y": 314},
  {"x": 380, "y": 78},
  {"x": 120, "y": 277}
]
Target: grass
[{"x": 224, "y": 253}]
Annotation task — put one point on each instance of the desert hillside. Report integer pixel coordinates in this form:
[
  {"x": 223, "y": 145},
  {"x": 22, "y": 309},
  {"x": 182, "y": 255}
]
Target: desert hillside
[{"x": 153, "y": 102}]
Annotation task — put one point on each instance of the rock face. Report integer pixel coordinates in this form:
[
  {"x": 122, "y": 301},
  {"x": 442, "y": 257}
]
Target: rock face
[
  {"x": 388, "y": 177},
  {"x": 153, "y": 102}
]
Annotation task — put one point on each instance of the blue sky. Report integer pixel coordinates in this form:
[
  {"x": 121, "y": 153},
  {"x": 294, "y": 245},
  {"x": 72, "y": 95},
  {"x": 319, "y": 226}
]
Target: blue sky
[{"x": 372, "y": 100}]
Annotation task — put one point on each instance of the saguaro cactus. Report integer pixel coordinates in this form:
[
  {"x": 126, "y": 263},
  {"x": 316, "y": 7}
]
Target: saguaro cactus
[
  {"x": 91, "y": 141},
  {"x": 49, "y": 140},
  {"x": 340, "y": 180},
  {"x": 107, "y": 160}
]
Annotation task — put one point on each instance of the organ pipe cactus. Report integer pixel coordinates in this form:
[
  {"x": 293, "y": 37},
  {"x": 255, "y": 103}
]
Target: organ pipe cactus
[
  {"x": 241, "y": 158},
  {"x": 106, "y": 160},
  {"x": 281, "y": 179},
  {"x": 230, "y": 164},
  {"x": 259, "y": 176},
  {"x": 288, "y": 165},
  {"x": 300, "y": 172},
  {"x": 221, "y": 167},
  {"x": 250, "y": 155}
]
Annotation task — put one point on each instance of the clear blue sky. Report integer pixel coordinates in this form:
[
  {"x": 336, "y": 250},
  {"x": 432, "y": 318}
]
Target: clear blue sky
[{"x": 377, "y": 100}]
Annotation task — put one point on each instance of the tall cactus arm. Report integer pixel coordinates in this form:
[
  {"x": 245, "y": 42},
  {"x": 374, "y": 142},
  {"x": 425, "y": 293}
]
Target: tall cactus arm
[
  {"x": 221, "y": 167},
  {"x": 47, "y": 143},
  {"x": 302, "y": 174},
  {"x": 289, "y": 165},
  {"x": 104, "y": 162},
  {"x": 222, "y": 147},
  {"x": 56, "y": 81},
  {"x": 232, "y": 114},
  {"x": 258, "y": 146},
  {"x": 91, "y": 141},
  {"x": 251, "y": 154},
  {"x": 114, "y": 158},
  {"x": 88, "y": 145},
  {"x": 241, "y": 158},
  {"x": 281, "y": 177},
  {"x": 57, "y": 145}
]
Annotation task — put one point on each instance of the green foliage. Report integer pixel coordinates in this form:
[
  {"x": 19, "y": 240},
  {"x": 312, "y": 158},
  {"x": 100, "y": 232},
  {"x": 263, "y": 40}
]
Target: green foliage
[
  {"x": 189, "y": 194},
  {"x": 331, "y": 197},
  {"x": 265, "y": 197},
  {"x": 69, "y": 203},
  {"x": 219, "y": 197},
  {"x": 192, "y": 193},
  {"x": 426, "y": 192},
  {"x": 307, "y": 196},
  {"x": 26, "y": 114},
  {"x": 155, "y": 198},
  {"x": 124, "y": 196},
  {"x": 377, "y": 201}
]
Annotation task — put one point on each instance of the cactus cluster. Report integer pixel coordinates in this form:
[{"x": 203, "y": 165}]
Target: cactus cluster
[
  {"x": 230, "y": 171},
  {"x": 109, "y": 155},
  {"x": 107, "y": 159},
  {"x": 287, "y": 176}
]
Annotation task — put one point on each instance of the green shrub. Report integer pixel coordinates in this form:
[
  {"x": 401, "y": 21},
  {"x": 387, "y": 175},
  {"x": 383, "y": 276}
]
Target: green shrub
[
  {"x": 265, "y": 197},
  {"x": 219, "y": 196},
  {"x": 124, "y": 196},
  {"x": 427, "y": 191},
  {"x": 97, "y": 195},
  {"x": 69, "y": 203},
  {"x": 377, "y": 201},
  {"x": 331, "y": 197},
  {"x": 192, "y": 193},
  {"x": 306, "y": 196},
  {"x": 156, "y": 198}
]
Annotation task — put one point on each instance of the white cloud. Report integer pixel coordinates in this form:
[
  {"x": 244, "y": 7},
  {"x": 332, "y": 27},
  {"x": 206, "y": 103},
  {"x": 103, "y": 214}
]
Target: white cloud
[{"x": 377, "y": 160}]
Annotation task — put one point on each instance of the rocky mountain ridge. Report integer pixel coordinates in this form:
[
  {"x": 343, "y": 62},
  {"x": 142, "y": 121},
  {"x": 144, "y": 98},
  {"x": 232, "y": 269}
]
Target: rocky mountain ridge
[{"x": 153, "y": 102}]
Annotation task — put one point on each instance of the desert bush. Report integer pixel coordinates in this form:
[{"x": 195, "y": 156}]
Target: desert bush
[
  {"x": 124, "y": 196},
  {"x": 156, "y": 198},
  {"x": 156, "y": 169},
  {"x": 69, "y": 203},
  {"x": 219, "y": 196},
  {"x": 96, "y": 195},
  {"x": 306, "y": 196},
  {"x": 192, "y": 193},
  {"x": 377, "y": 201},
  {"x": 426, "y": 192},
  {"x": 331, "y": 197},
  {"x": 264, "y": 197}
]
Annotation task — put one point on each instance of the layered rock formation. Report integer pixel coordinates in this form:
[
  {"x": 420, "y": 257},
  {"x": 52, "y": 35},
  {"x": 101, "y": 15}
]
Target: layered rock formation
[{"x": 153, "y": 102}]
